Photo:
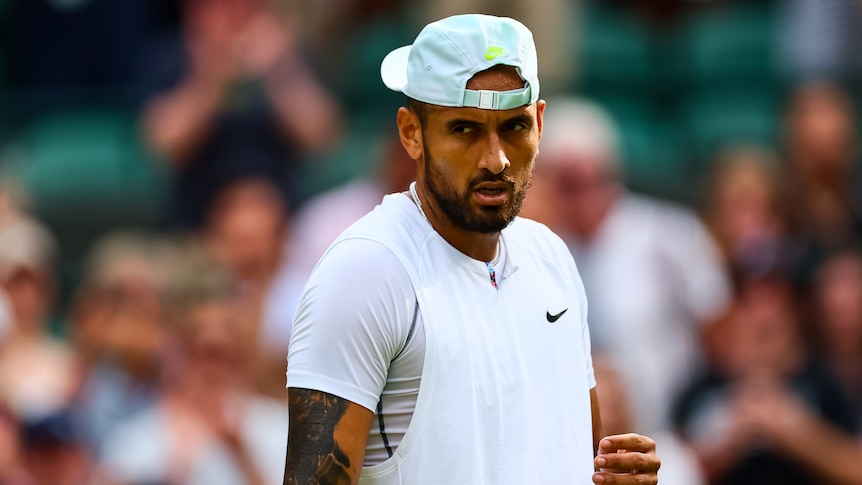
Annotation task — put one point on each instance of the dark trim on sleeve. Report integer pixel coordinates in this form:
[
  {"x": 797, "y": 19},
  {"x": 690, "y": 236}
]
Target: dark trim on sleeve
[
  {"x": 412, "y": 329},
  {"x": 383, "y": 428}
]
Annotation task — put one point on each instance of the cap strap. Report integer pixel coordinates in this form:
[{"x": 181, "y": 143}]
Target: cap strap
[{"x": 501, "y": 100}]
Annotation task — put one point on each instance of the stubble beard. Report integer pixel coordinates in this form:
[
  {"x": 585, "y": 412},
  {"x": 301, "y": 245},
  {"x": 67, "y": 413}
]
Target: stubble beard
[{"x": 457, "y": 208}]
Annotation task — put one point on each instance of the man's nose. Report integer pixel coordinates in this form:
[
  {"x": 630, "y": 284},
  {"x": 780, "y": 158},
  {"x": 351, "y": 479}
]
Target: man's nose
[{"x": 494, "y": 158}]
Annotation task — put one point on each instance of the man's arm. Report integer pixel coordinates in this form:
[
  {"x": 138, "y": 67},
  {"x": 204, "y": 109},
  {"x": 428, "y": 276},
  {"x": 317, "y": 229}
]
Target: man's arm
[
  {"x": 598, "y": 428},
  {"x": 343, "y": 351},
  {"x": 326, "y": 438},
  {"x": 625, "y": 459}
]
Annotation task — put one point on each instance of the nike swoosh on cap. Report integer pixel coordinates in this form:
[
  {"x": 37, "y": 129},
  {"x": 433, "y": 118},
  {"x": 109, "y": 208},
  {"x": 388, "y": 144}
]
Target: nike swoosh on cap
[{"x": 493, "y": 52}]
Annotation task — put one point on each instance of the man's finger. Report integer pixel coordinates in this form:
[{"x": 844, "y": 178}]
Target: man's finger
[
  {"x": 627, "y": 462},
  {"x": 612, "y": 479},
  {"x": 629, "y": 442}
]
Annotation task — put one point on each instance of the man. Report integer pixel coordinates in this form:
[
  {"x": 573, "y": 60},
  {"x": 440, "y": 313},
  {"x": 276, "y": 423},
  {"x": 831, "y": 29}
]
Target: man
[{"x": 441, "y": 339}]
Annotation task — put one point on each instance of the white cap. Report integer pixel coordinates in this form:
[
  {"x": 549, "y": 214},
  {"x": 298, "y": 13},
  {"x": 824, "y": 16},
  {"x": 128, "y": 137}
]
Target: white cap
[
  {"x": 25, "y": 244},
  {"x": 448, "y": 53}
]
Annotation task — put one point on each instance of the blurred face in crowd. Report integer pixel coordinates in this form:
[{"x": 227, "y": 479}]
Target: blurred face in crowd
[
  {"x": 117, "y": 312},
  {"x": 839, "y": 303},
  {"x": 821, "y": 131},
  {"x": 122, "y": 322},
  {"x": 216, "y": 342},
  {"x": 744, "y": 210},
  {"x": 743, "y": 199},
  {"x": 578, "y": 189},
  {"x": 477, "y": 164},
  {"x": 761, "y": 335},
  {"x": 30, "y": 293},
  {"x": 246, "y": 228}
]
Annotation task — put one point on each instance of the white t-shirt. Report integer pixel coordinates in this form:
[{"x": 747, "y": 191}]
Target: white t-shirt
[{"x": 359, "y": 334}]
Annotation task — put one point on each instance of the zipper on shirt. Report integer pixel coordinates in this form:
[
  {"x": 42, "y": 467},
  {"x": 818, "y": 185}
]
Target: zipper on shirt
[{"x": 492, "y": 274}]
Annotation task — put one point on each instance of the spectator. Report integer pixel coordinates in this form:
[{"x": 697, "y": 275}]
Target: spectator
[
  {"x": 746, "y": 210},
  {"x": 246, "y": 230},
  {"x": 821, "y": 155},
  {"x": 836, "y": 319},
  {"x": 652, "y": 273},
  {"x": 118, "y": 332},
  {"x": 27, "y": 283},
  {"x": 235, "y": 99},
  {"x": 766, "y": 410},
  {"x": 210, "y": 427}
]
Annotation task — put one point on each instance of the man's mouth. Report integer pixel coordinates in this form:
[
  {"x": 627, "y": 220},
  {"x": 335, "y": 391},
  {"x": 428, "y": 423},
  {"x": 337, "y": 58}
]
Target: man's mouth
[{"x": 494, "y": 193}]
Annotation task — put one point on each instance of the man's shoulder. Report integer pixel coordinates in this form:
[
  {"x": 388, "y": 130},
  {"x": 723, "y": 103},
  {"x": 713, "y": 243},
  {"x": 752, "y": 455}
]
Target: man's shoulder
[
  {"x": 394, "y": 223},
  {"x": 394, "y": 215}
]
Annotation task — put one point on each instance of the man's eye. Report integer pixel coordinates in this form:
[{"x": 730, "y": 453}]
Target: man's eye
[
  {"x": 517, "y": 127},
  {"x": 464, "y": 129}
]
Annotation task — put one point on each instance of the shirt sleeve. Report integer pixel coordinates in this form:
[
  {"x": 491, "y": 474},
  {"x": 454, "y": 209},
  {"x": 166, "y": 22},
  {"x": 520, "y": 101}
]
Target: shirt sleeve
[{"x": 352, "y": 320}]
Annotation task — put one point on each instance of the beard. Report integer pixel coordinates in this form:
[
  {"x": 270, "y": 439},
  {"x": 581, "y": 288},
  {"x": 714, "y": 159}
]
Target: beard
[{"x": 456, "y": 205}]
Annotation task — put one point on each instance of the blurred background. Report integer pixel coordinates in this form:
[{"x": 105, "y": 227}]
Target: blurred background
[{"x": 171, "y": 170}]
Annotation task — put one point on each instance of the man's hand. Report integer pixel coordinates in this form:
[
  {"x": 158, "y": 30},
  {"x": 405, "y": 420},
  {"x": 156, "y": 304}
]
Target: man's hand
[{"x": 626, "y": 459}]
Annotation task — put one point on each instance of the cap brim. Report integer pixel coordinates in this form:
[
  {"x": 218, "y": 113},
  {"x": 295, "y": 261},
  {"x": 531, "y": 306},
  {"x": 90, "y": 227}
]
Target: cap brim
[{"x": 393, "y": 69}]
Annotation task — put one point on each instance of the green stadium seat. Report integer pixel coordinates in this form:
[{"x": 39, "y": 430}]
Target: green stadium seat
[
  {"x": 86, "y": 171},
  {"x": 357, "y": 77},
  {"x": 713, "y": 118},
  {"x": 730, "y": 43},
  {"x": 615, "y": 51}
]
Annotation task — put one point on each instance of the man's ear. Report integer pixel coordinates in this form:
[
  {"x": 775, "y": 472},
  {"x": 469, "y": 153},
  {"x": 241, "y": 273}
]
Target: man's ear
[
  {"x": 410, "y": 131},
  {"x": 540, "y": 115}
]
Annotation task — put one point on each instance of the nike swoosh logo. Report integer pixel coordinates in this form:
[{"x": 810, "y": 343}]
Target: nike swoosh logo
[
  {"x": 554, "y": 318},
  {"x": 493, "y": 52}
]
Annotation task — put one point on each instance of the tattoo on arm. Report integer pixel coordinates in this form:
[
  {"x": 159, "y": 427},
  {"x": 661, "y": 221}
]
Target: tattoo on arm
[{"x": 313, "y": 456}]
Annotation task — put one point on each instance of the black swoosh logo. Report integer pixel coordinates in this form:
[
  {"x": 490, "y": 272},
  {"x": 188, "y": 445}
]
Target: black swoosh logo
[{"x": 554, "y": 318}]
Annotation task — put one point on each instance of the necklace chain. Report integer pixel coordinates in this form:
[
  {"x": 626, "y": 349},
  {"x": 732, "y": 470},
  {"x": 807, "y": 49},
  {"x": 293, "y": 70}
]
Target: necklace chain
[{"x": 418, "y": 202}]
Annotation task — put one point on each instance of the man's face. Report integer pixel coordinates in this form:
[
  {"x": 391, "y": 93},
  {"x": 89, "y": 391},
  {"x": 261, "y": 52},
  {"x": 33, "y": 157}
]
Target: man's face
[{"x": 478, "y": 164}]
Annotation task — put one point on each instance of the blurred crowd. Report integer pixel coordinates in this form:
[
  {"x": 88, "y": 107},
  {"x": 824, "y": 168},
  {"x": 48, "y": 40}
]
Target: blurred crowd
[{"x": 170, "y": 172}]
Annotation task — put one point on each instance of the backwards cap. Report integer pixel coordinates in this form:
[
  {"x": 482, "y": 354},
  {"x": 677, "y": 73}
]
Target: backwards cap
[{"x": 448, "y": 53}]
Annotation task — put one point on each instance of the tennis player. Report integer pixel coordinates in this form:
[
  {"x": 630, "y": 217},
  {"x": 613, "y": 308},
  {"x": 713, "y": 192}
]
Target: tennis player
[{"x": 441, "y": 339}]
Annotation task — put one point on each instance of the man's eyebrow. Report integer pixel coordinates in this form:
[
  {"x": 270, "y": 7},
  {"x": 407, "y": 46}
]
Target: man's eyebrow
[
  {"x": 521, "y": 118},
  {"x": 452, "y": 124}
]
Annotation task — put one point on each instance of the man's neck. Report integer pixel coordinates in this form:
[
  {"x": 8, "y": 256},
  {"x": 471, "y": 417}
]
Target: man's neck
[{"x": 477, "y": 245}]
